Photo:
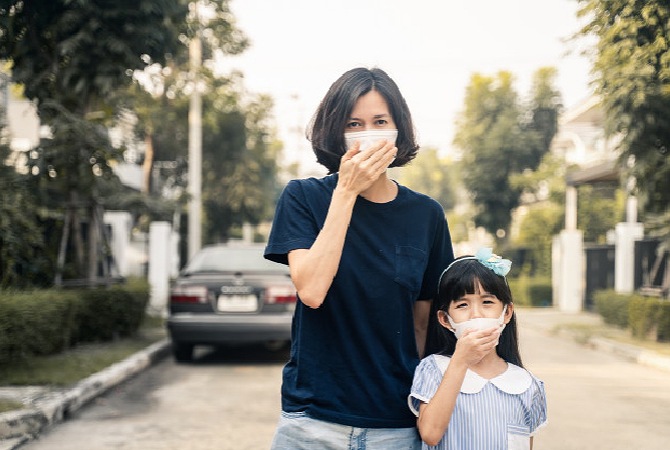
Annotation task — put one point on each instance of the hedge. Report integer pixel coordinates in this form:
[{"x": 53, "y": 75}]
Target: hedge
[
  {"x": 531, "y": 291},
  {"x": 647, "y": 317},
  {"x": 44, "y": 322},
  {"x": 613, "y": 307}
]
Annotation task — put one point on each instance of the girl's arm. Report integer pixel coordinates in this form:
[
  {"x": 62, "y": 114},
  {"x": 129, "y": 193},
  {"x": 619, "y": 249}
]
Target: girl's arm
[
  {"x": 434, "y": 417},
  {"x": 421, "y": 316},
  {"x": 313, "y": 269}
]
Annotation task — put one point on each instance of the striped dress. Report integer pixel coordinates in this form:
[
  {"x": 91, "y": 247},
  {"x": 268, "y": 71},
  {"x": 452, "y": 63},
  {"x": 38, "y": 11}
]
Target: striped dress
[{"x": 496, "y": 414}]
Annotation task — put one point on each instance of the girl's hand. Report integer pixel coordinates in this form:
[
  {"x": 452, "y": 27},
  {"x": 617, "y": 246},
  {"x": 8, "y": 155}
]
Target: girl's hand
[
  {"x": 473, "y": 345},
  {"x": 359, "y": 170}
]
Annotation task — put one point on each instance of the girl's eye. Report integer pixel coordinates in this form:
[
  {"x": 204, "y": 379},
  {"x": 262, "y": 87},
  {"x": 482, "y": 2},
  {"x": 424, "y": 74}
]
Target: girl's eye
[{"x": 460, "y": 305}]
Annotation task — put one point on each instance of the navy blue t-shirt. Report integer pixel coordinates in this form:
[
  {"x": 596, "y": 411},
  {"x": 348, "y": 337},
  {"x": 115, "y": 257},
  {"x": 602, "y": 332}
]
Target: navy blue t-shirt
[{"x": 353, "y": 359}]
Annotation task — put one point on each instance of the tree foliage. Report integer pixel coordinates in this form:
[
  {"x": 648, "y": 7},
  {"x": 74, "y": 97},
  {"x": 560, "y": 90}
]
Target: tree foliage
[
  {"x": 632, "y": 76},
  {"x": 71, "y": 56},
  {"x": 432, "y": 175},
  {"x": 501, "y": 137},
  {"x": 79, "y": 52},
  {"x": 239, "y": 148},
  {"x": 22, "y": 245}
]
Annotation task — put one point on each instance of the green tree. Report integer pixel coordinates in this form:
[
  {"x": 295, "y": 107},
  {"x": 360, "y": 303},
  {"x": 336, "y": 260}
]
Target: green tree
[
  {"x": 544, "y": 198},
  {"x": 71, "y": 56},
  {"x": 22, "y": 258},
  {"x": 499, "y": 138},
  {"x": 631, "y": 64},
  {"x": 239, "y": 145},
  {"x": 430, "y": 174}
]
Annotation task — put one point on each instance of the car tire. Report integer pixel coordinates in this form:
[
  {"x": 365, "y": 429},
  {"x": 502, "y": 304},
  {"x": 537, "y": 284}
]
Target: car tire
[{"x": 182, "y": 352}]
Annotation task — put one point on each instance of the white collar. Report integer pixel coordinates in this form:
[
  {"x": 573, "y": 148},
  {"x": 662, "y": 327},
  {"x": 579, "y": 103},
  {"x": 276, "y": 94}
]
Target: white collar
[{"x": 514, "y": 380}]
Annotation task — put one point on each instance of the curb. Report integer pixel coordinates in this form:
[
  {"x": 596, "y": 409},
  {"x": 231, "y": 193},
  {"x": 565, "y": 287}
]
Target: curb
[
  {"x": 19, "y": 427},
  {"x": 628, "y": 352}
]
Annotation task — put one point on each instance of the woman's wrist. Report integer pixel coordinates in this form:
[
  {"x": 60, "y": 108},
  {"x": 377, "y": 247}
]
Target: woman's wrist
[{"x": 344, "y": 195}]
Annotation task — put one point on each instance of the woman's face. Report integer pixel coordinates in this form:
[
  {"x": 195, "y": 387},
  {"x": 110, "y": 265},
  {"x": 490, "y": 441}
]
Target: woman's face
[{"x": 371, "y": 112}]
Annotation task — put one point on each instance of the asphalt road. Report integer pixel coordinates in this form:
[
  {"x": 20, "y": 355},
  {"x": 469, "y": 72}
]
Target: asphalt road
[{"x": 230, "y": 400}]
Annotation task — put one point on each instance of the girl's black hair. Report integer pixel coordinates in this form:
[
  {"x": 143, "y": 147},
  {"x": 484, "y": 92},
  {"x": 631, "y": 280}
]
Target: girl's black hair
[
  {"x": 463, "y": 277},
  {"x": 326, "y": 131}
]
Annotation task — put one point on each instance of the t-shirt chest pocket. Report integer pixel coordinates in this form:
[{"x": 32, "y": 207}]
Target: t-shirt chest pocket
[{"x": 410, "y": 265}]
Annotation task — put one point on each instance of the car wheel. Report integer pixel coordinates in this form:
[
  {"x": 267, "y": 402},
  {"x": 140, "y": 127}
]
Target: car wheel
[{"x": 182, "y": 352}]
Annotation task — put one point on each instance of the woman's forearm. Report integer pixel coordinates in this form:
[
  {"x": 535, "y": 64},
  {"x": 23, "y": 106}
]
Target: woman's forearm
[{"x": 313, "y": 269}]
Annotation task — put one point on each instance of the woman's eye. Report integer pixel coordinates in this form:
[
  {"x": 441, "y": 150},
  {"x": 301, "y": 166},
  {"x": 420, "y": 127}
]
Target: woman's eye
[{"x": 381, "y": 122}]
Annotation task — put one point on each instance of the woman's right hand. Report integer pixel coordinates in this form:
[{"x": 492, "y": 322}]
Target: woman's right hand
[{"x": 359, "y": 170}]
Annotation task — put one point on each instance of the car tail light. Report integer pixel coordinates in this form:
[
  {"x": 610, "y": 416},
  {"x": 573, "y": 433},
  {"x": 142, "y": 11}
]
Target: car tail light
[
  {"x": 189, "y": 294},
  {"x": 280, "y": 294}
]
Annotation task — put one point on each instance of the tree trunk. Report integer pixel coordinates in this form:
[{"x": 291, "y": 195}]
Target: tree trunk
[
  {"x": 93, "y": 246},
  {"x": 147, "y": 166}
]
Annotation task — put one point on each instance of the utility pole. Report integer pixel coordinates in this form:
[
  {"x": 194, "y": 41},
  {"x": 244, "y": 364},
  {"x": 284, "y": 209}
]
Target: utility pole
[{"x": 195, "y": 146}]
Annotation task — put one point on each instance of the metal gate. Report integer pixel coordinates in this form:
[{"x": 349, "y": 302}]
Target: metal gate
[{"x": 599, "y": 271}]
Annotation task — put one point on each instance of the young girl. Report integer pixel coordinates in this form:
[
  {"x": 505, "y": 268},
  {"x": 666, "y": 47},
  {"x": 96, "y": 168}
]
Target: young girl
[{"x": 475, "y": 394}]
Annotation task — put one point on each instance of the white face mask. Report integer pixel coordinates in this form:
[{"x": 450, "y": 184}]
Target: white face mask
[
  {"x": 370, "y": 137},
  {"x": 478, "y": 324}
]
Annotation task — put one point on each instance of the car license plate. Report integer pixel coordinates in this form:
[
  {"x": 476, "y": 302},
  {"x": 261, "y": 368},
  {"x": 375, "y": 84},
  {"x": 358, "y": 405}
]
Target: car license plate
[{"x": 237, "y": 303}]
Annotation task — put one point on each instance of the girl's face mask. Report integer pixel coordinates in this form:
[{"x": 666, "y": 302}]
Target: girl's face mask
[
  {"x": 369, "y": 138},
  {"x": 478, "y": 324}
]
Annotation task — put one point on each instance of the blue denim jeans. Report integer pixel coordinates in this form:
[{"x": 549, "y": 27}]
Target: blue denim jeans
[{"x": 296, "y": 431}]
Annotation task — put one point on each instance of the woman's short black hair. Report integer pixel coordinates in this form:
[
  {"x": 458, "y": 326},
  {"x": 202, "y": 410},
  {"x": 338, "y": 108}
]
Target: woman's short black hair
[
  {"x": 326, "y": 131},
  {"x": 463, "y": 277}
]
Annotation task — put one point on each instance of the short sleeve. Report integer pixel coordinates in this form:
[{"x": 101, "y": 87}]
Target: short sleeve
[
  {"x": 538, "y": 408},
  {"x": 427, "y": 378},
  {"x": 293, "y": 226}
]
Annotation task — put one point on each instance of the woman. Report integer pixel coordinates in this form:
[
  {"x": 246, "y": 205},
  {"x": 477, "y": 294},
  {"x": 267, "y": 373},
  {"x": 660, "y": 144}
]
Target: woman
[{"x": 365, "y": 255}]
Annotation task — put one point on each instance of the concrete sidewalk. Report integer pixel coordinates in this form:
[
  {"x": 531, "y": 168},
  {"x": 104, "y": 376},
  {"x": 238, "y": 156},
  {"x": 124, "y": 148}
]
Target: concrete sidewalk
[
  {"x": 46, "y": 407},
  {"x": 568, "y": 325}
]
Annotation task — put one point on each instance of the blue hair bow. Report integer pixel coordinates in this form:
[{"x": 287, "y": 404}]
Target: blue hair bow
[{"x": 497, "y": 264}]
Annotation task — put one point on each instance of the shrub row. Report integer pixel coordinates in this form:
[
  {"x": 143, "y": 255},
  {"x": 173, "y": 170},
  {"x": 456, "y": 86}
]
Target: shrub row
[
  {"x": 646, "y": 317},
  {"x": 531, "y": 291},
  {"x": 44, "y": 322}
]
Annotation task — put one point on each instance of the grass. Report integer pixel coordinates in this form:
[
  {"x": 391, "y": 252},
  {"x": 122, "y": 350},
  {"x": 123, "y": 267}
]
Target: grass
[
  {"x": 583, "y": 332},
  {"x": 73, "y": 365},
  {"x": 9, "y": 405}
]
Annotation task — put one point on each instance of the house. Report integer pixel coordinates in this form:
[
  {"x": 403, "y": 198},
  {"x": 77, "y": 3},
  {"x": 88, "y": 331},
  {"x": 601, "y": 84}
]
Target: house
[{"x": 581, "y": 141}]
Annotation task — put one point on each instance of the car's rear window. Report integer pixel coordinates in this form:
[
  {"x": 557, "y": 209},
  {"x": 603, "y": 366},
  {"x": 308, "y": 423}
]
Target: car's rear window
[{"x": 232, "y": 259}]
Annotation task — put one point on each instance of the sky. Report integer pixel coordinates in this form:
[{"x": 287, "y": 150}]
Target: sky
[{"x": 431, "y": 48}]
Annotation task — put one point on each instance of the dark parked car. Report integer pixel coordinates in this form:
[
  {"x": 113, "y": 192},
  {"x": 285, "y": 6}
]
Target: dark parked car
[{"x": 230, "y": 294}]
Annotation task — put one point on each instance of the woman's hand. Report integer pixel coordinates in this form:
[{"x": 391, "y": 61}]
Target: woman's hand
[{"x": 360, "y": 169}]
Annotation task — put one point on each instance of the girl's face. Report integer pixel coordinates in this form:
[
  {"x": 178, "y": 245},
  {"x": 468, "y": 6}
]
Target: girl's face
[
  {"x": 371, "y": 112},
  {"x": 481, "y": 304}
]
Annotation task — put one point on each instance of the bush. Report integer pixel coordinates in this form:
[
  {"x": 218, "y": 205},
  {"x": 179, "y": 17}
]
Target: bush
[
  {"x": 111, "y": 313},
  {"x": 642, "y": 316},
  {"x": 663, "y": 330},
  {"x": 45, "y": 322},
  {"x": 647, "y": 317},
  {"x": 612, "y": 307},
  {"x": 535, "y": 291},
  {"x": 36, "y": 323}
]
